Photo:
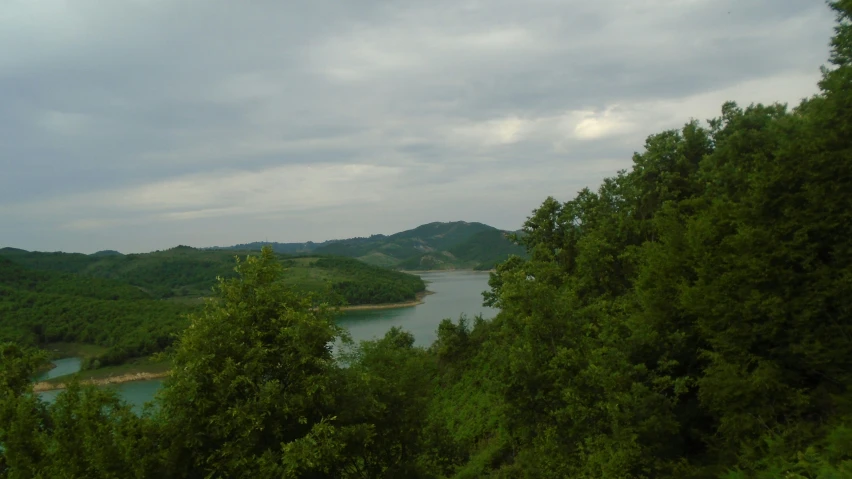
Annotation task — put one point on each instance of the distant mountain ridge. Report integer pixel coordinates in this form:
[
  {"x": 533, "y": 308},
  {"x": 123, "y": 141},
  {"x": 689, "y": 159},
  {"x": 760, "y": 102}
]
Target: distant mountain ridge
[{"x": 432, "y": 246}]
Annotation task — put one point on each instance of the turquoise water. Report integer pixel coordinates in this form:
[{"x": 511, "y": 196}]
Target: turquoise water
[
  {"x": 63, "y": 367},
  {"x": 136, "y": 393},
  {"x": 456, "y": 293}
]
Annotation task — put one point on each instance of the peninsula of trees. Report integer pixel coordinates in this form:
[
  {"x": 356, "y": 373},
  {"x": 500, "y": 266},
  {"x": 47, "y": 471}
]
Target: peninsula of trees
[{"x": 135, "y": 305}]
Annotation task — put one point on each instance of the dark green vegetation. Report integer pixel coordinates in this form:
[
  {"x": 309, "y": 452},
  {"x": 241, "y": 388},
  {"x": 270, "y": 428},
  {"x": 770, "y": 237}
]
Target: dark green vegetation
[
  {"x": 180, "y": 271},
  {"x": 41, "y": 307},
  {"x": 358, "y": 283},
  {"x": 185, "y": 272},
  {"x": 689, "y": 319},
  {"x": 119, "y": 302},
  {"x": 433, "y": 246}
]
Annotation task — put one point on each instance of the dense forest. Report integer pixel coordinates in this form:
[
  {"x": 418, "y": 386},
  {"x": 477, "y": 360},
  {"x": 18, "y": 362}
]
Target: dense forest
[
  {"x": 41, "y": 307},
  {"x": 484, "y": 250},
  {"x": 113, "y": 301},
  {"x": 186, "y": 272},
  {"x": 179, "y": 271},
  {"x": 688, "y": 319},
  {"x": 363, "y": 286}
]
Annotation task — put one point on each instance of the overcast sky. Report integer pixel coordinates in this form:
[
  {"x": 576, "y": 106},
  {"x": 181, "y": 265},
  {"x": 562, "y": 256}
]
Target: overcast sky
[{"x": 138, "y": 125}]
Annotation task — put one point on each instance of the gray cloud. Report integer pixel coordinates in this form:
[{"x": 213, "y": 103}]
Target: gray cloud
[{"x": 142, "y": 125}]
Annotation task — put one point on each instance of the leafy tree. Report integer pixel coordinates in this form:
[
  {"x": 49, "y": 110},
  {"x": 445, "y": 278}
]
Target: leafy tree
[
  {"x": 389, "y": 383},
  {"x": 250, "y": 387},
  {"x": 86, "y": 433}
]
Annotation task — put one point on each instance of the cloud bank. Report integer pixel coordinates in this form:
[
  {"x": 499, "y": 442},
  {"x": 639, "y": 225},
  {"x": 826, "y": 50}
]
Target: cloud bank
[{"x": 142, "y": 125}]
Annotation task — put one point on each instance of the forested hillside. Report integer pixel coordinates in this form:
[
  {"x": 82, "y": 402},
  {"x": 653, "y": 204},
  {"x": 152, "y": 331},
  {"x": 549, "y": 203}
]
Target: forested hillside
[
  {"x": 40, "y": 307},
  {"x": 431, "y": 246},
  {"x": 190, "y": 272},
  {"x": 113, "y": 301},
  {"x": 286, "y": 248},
  {"x": 689, "y": 318}
]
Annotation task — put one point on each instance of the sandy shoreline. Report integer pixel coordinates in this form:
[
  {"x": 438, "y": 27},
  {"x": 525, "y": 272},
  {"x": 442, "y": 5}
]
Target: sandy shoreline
[
  {"x": 142, "y": 376},
  {"x": 121, "y": 378},
  {"x": 366, "y": 307},
  {"x": 459, "y": 270}
]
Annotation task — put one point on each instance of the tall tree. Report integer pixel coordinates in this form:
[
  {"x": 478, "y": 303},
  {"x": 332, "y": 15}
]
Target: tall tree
[{"x": 250, "y": 386}]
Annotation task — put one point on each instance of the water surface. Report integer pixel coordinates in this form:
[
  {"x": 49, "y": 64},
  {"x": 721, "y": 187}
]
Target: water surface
[
  {"x": 63, "y": 367},
  {"x": 456, "y": 293},
  {"x": 135, "y": 393}
]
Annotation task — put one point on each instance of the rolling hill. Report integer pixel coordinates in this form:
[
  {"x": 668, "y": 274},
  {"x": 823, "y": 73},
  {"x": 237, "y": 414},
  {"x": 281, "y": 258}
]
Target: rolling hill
[
  {"x": 433, "y": 246},
  {"x": 134, "y": 305},
  {"x": 185, "y": 272},
  {"x": 39, "y": 307}
]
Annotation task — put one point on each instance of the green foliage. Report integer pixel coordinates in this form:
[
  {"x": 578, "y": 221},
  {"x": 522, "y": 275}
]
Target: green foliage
[
  {"x": 40, "y": 307},
  {"x": 389, "y": 382},
  {"x": 190, "y": 272},
  {"x": 180, "y": 271},
  {"x": 359, "y": 283},
  {"x": 86, "y": 433},
  {"x": 250, "y": 376},
  {"x": 688, "y": 318},
  {"x": 487, "y": 249}
]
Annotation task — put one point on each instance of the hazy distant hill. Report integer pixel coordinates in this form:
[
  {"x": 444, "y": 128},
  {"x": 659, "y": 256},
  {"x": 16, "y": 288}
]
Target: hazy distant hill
[
  {"x": 285, "y": 248},
  {"x": 293, "y": 248},
  {"x": 107, "y": 252},
  {"x": 453, "y": 245}
]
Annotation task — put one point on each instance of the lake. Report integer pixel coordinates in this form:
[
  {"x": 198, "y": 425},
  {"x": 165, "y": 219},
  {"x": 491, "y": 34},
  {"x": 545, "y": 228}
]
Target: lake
[
  {"x": 455, "y": 293},
  {"x": 63, "y": 367},
  {"x": 136, "y": 393}
]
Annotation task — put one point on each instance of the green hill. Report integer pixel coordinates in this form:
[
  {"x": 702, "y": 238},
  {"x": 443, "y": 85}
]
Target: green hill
[
  {"x": 185, "y": 272},
  {"x": 455, "y": 245},
  {"x": 134, "y": 304},
  {"x": 107, "y": 252},
  {"x": 39, "y": 307},
  {"x": 286, "y": 248}
]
